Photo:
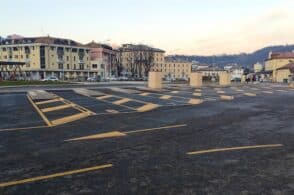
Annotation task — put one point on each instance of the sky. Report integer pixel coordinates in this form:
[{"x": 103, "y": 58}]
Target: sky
[{"x": 190, "y": 27}]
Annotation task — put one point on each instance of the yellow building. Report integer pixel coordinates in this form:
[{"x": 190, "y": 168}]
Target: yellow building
[
  {"x": 258, "y": 67},
  {"x": 138, "y": 60},
  {"x": 48, "y": 56},
  {"x": 285, "y": 73},
  {"x": 277, "y": 60},
  {"x": 172, "y": 69}
]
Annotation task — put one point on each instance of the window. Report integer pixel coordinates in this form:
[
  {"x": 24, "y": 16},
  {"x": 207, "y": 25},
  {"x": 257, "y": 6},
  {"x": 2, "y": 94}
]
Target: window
[
  {"x": 16, "y": 56},
  {"x": 67, "y": 66},
  {"x": 74, "y": 58},
  {"x": 27, "y": 56},
  {"x": 15, "y": 49},
  {"x": 81, "y": 66},
  {"x": 4, "y": 49},
  {"x": 67, "y": 58},
  {"x": 94, "y": 66},
  {"x": 21, "y": 56},
  {"x": 60, "y": 66},
  {"x": 75, "y": 67}
]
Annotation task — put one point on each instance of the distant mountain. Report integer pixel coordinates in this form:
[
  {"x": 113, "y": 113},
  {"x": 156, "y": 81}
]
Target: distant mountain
[{"x": 244, "y": 59}]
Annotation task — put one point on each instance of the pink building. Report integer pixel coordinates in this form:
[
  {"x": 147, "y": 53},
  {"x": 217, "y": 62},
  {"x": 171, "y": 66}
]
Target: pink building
[{"x": 104, "y": 58}]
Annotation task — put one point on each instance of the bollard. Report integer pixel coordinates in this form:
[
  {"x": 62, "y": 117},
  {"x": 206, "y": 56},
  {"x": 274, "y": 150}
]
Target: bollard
[
  {"x": 155, "y": 80},
  {"x": 224, "y": 78},
  {"x": 196, "y": 79}
]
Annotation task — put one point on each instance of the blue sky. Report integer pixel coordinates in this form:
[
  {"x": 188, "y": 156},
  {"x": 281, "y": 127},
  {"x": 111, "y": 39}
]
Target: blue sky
[{"x": 177, "y": 26}]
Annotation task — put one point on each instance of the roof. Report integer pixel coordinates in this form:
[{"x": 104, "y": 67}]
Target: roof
[
  {"x": 93, "y": 44},
  {"x": 289, "y": 66},
  {"x": 44, "y": 40},
  {"x": 140, "y": 47},
  {"x": 281, "y": 55}
]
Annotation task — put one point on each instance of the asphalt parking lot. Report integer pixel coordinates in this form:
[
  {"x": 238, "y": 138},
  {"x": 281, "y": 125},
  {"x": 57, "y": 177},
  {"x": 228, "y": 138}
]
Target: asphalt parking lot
[{"x": 133, "y": 140}]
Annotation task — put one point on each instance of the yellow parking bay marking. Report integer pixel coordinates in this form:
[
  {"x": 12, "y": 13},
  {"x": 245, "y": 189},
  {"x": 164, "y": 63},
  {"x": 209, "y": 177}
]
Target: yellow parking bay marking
[
  {"x": 122, "y": 101},
  {"x": 233, "y": 148},
  {"x": 147, "y": 107},
  {"x": 226, "y": 97},
  {"x": 55, "y": 175},
  {"x": 144, "y": 94},
  {"x": 281, "y": 90},
  {"x": 239, "y": 90},
  {"x": 39, "y": 111},
  {"x": 112, "y": 111},
  {"x": 70, "y": 118},
  {"x": 220, "y": 92},
  {"x": 165, "y": 97},
  {"x": 104, "y": 97},
  {"x": 175, "y": 92},
  {"x": 49, "y": 101},
  {"x": 55, "y": 108},
  {"x": 195, "y": 101},
  {"x": 268, "y": 92},
  {"x": 250, "y": 94},
  {"x": 121, "y": 134},
  {"x": 197, "y": 90},
  {"x": 197, "y": 94}
]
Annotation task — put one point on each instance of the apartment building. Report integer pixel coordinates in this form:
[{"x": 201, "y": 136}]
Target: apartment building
[
  {"x": 138, "y": 60},
  {"x": 173, "y": 69},
  {"x": 47, "y": 56},
  {"x": 274, "y": 63},
  {"x": 103, "y": 59}
]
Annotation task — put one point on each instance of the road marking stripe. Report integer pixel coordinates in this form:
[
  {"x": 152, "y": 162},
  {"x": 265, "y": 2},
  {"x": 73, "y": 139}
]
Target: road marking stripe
[
  {"x": 226, "y": 97},
  {"x": 68, "y": 119},
  {"x": 144, "y": 94},
  {"x": 104, "y": 97},
  {"x": 113, "y": 134},
  {"x": 268, "y": 92},
  {"x": 49, "y": 101},
  {"x": 239, "y": 90},
  {"x": 55, "y": 108},
  {"x": 197, "y": 90},
  {"x": 153, "y": 129},
  {"x": 197, "y": 94},
  {"x": 250, "y": 94},
  {"x": 195, "y": 101},
  {"x": 61, "y": 174},
  {"x": 112, "y": 111},
  {"x": 147, "y": 107},
  {"x": 122, "y": 101},
  {"x": 233, "y": 148},
  {"x": 39, "y": 112},
  {"x": 281, "y": 90},
  {"x": 165, "y": 97},
  {"x": 220, "y": 92},
  {"x": 174, "y": 92},
  {"x": 23, "y": 128}
]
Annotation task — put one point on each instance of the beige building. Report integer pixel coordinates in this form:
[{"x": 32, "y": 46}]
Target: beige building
[
  {"x": 172, "y": 69},
  {"x": 277, "y": 60},
  {"x": 138, "y": 60},
  {"x": 258, "y": 67},
  {"x": 285, "y": 73},
  {"x": 47, "y": 56}
]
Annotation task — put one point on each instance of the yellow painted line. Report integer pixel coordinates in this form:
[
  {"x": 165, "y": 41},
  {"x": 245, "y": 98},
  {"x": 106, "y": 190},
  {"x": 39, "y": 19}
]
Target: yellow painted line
[
  {"x": 40, "y": 112},
  {"x": 104, "y": 97},
  {"x": 226, "y": 97},
  {"x": 55, "y": 175},
  {"x": 239, "y": 90},
  {"x": 113, "y": 134},
  {"x": 153, "y": 129},
  {"x": 144, "y": 94},
  {"x": 175, "y": 92},
  {"x": 195, "y": 101},
  {"x": 165, "y": 97},
  {"x": 250, "y": 94},
  {"x": 49, "y": 101},
  {"x": 197, "y": 90},
  {"x": 256, "y": 89},
  {"x": 233, "y": 148},
  {"x": 69, "y": 118},
  {"x": 281, "y": 90},
  {"x": 197, "y": 94},
  {"x": 121, "y": 101},
  {"x": 268, "y": 92},
  {"x": 112, "y": 111},
  {"x": 99, "y": 136},
  {"x": 220, "y": 92},
  {"x": 55, "y": 108},
  {"x": 23, "y": 128},
  {"x": 147, "y": 107}
]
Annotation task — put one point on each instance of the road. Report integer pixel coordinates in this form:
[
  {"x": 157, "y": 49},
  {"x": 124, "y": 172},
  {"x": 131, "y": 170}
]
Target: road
[{"x": 243, "y": 145}]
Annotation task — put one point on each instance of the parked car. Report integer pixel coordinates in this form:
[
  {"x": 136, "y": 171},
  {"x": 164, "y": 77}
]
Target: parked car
[
  {"x": 51, "y": 78},
  {"x": 93, "y": 79}
]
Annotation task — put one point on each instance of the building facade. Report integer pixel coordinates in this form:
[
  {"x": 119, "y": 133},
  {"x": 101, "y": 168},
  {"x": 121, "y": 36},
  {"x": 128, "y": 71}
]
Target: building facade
[
  {"x": 277, "y": 60},
  {"x": 48, "y": 56},
  {"x": 138, "y": 60},
  {"x": 173, "y": 70},
  {"x": 103, "y": 59}
]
